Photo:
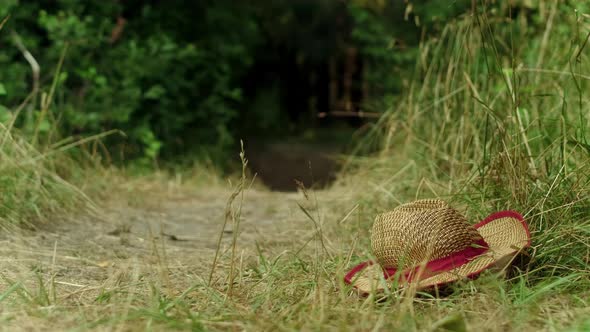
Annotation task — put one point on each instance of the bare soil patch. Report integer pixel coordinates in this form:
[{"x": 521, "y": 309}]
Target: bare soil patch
[{"x": 279, "y": 165}]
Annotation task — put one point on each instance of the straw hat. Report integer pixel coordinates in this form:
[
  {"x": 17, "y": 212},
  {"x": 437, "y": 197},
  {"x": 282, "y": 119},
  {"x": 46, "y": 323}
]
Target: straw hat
[{"x": 428, "y": 243}]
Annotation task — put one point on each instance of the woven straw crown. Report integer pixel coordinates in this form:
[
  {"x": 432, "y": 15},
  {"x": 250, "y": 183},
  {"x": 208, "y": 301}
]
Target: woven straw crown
[{"x": 420, "y": 231}]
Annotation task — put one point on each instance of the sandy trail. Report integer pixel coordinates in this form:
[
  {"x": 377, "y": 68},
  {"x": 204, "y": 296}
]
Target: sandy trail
[
  {"x": 172, "y": 239},
  {"x": 86, "y": 270}
]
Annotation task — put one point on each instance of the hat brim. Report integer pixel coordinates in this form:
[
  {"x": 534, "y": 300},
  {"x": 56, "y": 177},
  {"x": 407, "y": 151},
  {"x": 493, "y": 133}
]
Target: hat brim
[{"x": 505, "y": 232}]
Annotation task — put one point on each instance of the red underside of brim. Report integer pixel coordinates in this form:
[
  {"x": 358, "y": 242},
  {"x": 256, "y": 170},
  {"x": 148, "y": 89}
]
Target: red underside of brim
[{"x": 446, "y": 263}]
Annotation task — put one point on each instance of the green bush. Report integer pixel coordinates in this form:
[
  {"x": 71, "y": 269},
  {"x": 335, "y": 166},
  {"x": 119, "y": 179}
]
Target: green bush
[{"x": 169, "y": 80}]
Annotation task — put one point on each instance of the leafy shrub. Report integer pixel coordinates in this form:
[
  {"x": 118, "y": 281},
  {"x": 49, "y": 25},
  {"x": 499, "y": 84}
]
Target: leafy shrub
[{"x": 166, "y": 78}]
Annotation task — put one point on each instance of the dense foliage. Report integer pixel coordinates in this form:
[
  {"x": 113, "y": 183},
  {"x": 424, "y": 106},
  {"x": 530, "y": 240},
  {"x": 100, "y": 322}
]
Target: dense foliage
[
  {"x": 157, "y": 72},
  {"x": 181, "y": 77}
]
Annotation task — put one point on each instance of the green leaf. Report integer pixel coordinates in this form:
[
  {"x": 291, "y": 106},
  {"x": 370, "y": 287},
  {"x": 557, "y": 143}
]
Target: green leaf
[
  {"x": 5, "y": 114},
  {"x": 2, "y": 90},
  {"x": 155, "y": 92},
  {"x": 11, "y": 289}
]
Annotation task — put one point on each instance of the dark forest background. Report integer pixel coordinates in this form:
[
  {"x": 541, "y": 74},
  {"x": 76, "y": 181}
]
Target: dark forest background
[{"x": 192, "y": 77}]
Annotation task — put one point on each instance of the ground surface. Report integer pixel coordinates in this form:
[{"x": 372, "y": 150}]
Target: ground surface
[
  {"x": 142, "y": 263},
  {"x": 166, "y": 240},
  {"x": 278, "y": 164}
]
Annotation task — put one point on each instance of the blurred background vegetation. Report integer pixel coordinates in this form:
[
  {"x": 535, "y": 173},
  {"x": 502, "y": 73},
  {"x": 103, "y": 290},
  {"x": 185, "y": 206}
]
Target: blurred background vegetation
[{"x": 191, "y": 78}]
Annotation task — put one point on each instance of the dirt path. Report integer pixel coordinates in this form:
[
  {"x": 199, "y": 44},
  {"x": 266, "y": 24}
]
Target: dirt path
[
  {"x": 185, "y": 226},
  {"x": 168, "y": 242}
]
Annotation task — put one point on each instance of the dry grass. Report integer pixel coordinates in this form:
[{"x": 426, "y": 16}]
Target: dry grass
[{"x": 111, "y": 275}]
